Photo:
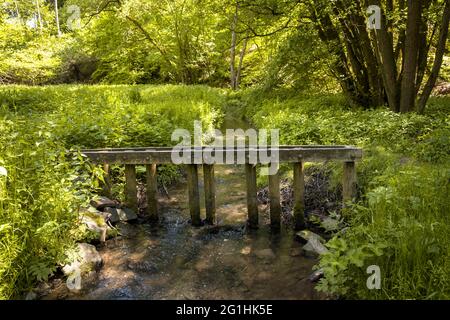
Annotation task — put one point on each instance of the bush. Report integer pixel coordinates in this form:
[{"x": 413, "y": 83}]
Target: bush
[
  {"x": 403, "y": 227},
  {"x": 401, "y": 222},
  {"x": 328, "y": 120},
  {"x": 39, "y": 198}
]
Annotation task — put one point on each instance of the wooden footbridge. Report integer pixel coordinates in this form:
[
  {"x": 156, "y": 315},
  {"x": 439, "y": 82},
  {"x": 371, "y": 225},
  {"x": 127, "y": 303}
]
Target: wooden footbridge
[{"x": 295, "y": 155}]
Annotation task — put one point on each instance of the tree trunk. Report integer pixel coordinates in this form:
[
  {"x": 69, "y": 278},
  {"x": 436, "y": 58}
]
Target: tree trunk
[
  {"x": 375, "y": 83},
  {"x": 397, "y": 52},
  {"x": 57, "y": 18},
  {"x": 17, "y": 10},
  {"x": 354, "y": 51},
  {"x": 386, "y": 57},
  {"x": 408, "y": 85},
  {"x": 233, "y": 48},
  {"x": 39, "y": 15},
  {"x": 241, "y": 62},
  {"x": 328, "y": 34},
  {"x": 423, "y": 47},
  {"x": 440, "y": 50}
]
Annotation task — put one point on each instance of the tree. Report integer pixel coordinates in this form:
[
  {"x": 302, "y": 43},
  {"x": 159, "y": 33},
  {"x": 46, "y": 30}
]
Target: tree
[
  {"x": 233, "y": 47},
  {"x": 387, "y": 64},
  {"x": 179, "y": 32},
  {"x": 253, "y": 20},
  {"x": 440, "y": 49}
]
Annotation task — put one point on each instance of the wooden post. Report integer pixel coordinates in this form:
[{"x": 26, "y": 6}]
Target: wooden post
[
  {"x": 274, "y": 196},
  {"x": 106, "y": 185},
  {"x": 252, "y": 201},
  {"x": 131, "y": 187},
  {"x": 152, "y": 192},
  {"x": 299, "y": 196},
  {"x": 349, "y": 182},
  {"x": 194, "y": 195},
  {"x": 210, "y": 193}
]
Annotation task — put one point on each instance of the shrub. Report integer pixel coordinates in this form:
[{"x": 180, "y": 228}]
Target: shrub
[
  {"x": 401, "y": 222},
  {"x": 403, "y": 227},
  {"x": 41, "y": 132}
]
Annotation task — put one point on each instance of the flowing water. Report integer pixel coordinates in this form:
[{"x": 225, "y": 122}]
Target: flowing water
[{"x": 178, "y": 261}]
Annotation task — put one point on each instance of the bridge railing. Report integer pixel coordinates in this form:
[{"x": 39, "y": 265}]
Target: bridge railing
[{"x": 207, "y": 157}]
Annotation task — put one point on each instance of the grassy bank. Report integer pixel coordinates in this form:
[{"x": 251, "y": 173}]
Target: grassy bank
[
  {"x": 41, "y": 131},
  {"x": 402, "y": 220}
]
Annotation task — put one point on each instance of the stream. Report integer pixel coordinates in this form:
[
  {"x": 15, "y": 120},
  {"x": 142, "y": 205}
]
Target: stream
[{"x": 177, "y": 261}]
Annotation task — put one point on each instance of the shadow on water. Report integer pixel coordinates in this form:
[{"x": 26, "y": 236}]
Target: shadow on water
[{"x": 226, "y": 261}]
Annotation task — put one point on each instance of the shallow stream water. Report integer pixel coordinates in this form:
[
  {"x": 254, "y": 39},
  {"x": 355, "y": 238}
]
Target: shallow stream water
[{"x": 177, "y": 261}]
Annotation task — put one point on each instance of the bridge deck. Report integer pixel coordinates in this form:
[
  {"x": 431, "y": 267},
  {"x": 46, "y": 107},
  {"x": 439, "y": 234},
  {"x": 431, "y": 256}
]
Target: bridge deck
[{"x": 289, "y": 154}]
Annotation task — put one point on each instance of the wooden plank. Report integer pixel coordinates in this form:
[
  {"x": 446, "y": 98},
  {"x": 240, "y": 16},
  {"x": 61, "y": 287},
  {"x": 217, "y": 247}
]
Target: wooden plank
[
  {"x": 194, "y": 194},
  {"x": 299, "y": 196},
  {"x": 286, "y": 154},
  {"x": 252, "y": 201},
  {"x": 349, "y": 182},
  {"x": 157, "y": 149},
  {"x": 106, "y": 184},
  {"x": 210, "y": 193},
  {"x": 131, "y": 200},
  {"x": 319, "y": 155},
  {"x": 321, "y": 147},
  {"x": 275, "y": 201},
  {"x": 152, "y": 192}
]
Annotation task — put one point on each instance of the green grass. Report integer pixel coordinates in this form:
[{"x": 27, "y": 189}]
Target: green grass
[
  {"x": 41, "y": 131},
  {"x": 112, "y": 116},
  {"x": 402, "y": 221}
]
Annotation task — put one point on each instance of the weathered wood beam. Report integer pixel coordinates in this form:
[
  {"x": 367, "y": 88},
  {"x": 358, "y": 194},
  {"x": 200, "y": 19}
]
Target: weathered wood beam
[
  {"x": 131, "y": 187},
  {"x": 210, "y": 193},
  {"x": 152, "y": 192},
  {"x": 275, "y": 201},
  {"x": 252, "y": 201},
  {"x": 286, "y": 154},
  {"x": 194, "y": 194},
  {"x": 349, "y": 182},
  {"x": 299, "y": 196},
  {"x": 311, "y": 146}
]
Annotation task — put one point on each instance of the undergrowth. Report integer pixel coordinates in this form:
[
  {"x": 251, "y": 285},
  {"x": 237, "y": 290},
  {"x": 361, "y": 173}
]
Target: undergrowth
[
  {"x": 44, "y": 178},
  {"x": 401, "y": 221}
]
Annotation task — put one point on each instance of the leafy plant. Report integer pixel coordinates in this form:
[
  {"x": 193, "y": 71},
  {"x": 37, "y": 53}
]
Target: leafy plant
[{"x": 47, "y": 179}]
